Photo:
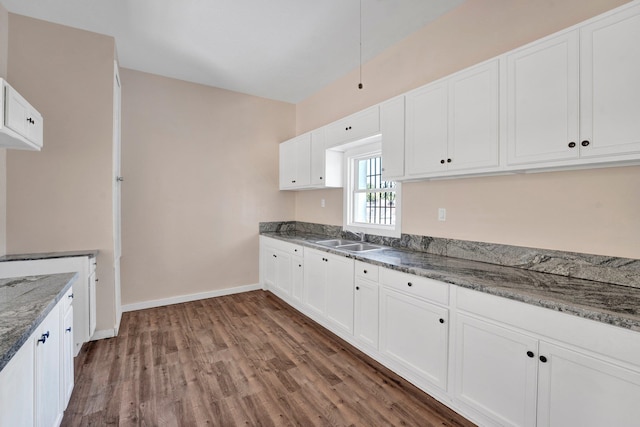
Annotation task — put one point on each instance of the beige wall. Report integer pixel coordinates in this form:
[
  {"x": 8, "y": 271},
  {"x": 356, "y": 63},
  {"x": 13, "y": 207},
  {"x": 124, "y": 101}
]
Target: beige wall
[
  {"x": 4, "y": 57},
  {"x": 201, "y": 170},
  {"x": 60, "y": 198},
  {"x": 593, "y": 211}
]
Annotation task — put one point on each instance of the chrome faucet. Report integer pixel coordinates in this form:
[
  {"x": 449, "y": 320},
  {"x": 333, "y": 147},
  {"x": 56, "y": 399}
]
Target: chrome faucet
[{"x": 361, "y": 235}]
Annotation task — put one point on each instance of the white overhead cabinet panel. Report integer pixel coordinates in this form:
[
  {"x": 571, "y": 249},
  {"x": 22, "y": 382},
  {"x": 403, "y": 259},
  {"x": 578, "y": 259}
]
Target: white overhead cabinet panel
[
  {"x": 610, "y": 85},
  {"x": 295, "y": 162},
  {"x": 543, "y": 97},
  {"x": 392, "y": 127},
  {"x": 21, "y": 126},
  {"x": 453, "y": 125},
  {"x": 357, "y": 126}
]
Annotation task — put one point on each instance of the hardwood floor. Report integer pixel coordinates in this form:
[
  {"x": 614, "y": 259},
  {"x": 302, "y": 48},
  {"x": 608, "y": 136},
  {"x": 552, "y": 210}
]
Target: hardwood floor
[{"x": 245, "y": 359}]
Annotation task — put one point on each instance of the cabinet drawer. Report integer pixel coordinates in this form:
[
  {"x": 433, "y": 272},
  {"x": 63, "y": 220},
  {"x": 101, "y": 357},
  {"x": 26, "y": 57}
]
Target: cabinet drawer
[
  {"x": 67, "y": 300},
  {"x": 367, "y": 271},
  {"x": 288, "y": 248},
  {"x": 291, "y": 249},
  {"x": 415, "y": 285}
]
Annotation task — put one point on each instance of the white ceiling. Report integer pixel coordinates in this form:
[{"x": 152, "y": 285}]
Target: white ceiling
[{"x": 279, "y": 49}]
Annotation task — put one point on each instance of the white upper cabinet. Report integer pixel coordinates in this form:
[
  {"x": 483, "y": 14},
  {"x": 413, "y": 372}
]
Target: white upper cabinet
[
  {"x": 21, "y": 126},
  {"x": 392, "y": 129},
  {"x": 295, "y": 162},
  {"x": 426, "y": 137},
  {"x": 474, "y": 118},
  {"x": 542, "y": 105},
  {"x": 305, "y": 163},
  {"x": 610, "y": 84},
  {"x": 566, "y": 101},
  {"x": 573, "y": 98},
  {"x": 357, "y": 126},
  {"x": 453, "y": 125}
]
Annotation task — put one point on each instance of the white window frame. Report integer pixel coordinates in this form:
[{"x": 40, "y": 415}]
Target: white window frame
[{"x": 351, "y": 157}]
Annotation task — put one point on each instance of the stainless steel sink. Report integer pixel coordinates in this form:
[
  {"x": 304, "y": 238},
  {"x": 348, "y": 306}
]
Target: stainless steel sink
[
  {"x": 359, "y": 247},
  {"x": 336, "y": 242},
  {"x": 349, "y": 245}
]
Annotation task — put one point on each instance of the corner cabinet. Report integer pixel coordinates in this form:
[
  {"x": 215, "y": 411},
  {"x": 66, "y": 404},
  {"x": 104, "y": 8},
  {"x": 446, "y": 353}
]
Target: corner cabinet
[{"x": 21, "y": 126}]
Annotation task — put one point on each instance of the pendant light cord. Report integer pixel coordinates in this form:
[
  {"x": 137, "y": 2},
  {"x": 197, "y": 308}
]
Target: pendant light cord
[{"x": 360, "y": 86}]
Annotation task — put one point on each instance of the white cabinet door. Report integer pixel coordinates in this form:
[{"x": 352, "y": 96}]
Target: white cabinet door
[
  {"x": 297, "y": 275},
  {"x": 277, "y": 270},
  {"x": 270, "y": 263},
  {"x": 67, "y": 356},
  {"x": 414, "y": 334},
  {"x": 496, "y": 371},
  {"x": 315, "y": 281},
  {"x": 426, "y": 132},
  {"x": 542, "y": 101},
  {"x": 295, "y": 162},
  {"x": 47, "y": 342},
  {"x": 318, "y": 157},
  {"x": 474, "y": 118},
  {"x": 339, "y": 288},
  {"x": 283, "y": 273},
  {"x": 326, "y": 165},
  {"x": 366, "y": 312},
  {"x": 610, "y": 87},
  {"x": 357, "y": 126},
  {"x": 579, "y": 390},
  {"x": 17, "y": 389},
  {"x": 392, "y": 129},
  {"x": 21, "y": 118}
]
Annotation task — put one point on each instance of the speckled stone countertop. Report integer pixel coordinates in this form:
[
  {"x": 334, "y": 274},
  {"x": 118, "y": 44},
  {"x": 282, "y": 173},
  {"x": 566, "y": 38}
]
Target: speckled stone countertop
[
  {"x": 24, "y": 304},
  {"x": 47, "y": 255},
  {"x": 604, "y": 302}
]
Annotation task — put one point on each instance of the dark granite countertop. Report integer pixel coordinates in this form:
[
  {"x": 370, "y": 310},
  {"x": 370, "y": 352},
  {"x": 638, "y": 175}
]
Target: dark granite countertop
[
  {"x": 24, "y": 303},
  {"x": 604, "y": 302},
  {"x": 91, "y": 253}
]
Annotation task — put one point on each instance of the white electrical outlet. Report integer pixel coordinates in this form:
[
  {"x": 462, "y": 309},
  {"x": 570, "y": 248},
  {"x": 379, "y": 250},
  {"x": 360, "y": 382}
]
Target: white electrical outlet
[
  {"x": 442, "y": 214},
  {"x": 322, "y": 203}
]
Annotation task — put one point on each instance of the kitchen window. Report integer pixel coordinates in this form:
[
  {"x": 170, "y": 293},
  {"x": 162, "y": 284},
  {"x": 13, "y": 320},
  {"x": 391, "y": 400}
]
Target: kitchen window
[{"x": 372, "y": 205}]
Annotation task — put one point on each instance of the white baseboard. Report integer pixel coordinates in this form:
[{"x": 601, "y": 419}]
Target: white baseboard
[
  {"x": 186, "y": 298},
  {"x": 102, "y": 334}
]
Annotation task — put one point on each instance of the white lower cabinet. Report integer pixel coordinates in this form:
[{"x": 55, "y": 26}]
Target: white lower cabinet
[
  {"x": 279, "y": 267},
  {"x": 415, "y": 335},
  {"x": 496, "y": 361},
  {"x": 67, "y": 356},
  {"x": 329, "y": 276},
  {"x": 366, "y": 321},
  {"x": 17, "y": 389},
  {"x": 496, "y": 371},
  {"x": 36, "y": 384},
  {"x": 579, "y": 388},
  {"x": 515, "y": 377},
  {"x": 297, "y": 263},
  {"x": 47, "y": 342}
]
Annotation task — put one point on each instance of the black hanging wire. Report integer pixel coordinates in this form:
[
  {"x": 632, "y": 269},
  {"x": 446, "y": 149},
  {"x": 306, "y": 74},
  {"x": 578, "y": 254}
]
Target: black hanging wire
[{"x": 360, "y": 86}]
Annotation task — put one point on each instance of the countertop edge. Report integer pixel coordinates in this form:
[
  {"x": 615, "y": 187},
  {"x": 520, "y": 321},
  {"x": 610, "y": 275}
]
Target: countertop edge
[{"x": 6, "y": 358}]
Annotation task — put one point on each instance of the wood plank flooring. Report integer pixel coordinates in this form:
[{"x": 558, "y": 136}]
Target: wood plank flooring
[{"x": 245, "y": 359}]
